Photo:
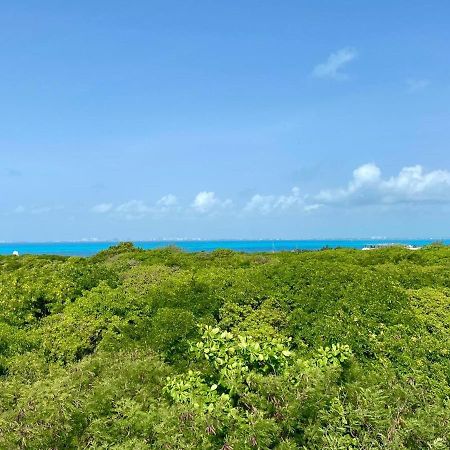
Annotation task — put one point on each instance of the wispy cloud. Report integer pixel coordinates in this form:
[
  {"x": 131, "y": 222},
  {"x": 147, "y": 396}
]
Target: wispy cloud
[
  {"x": 36, "y": 210},
  {"x": 137, "y": 209},
  {"x": 43, "y": 209},
  {"x": 167, "y": 201},
  {"x": 102, "y": 208},
  {"x": 412, "y": 185},
  {"x": 134, "y": 209},
  {"x": 312, "y": 207},
  {"x": 332, "y": 67},
  {"x": 415, "y": 85}
]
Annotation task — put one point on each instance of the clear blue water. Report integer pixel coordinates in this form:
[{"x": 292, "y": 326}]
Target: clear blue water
[{"x": 91, "y": 248}]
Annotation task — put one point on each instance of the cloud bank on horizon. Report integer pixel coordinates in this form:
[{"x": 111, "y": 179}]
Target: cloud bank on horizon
[{"x": 412, "y": 186}]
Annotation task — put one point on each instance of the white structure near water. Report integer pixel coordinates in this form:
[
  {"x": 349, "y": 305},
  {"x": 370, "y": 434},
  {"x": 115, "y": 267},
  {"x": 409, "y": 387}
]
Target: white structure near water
[{"x": 377, "y": 246}]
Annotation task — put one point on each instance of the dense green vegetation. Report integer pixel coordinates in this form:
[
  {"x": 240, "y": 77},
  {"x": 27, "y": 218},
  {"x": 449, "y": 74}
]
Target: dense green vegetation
[{"x": 133, "y": 349}]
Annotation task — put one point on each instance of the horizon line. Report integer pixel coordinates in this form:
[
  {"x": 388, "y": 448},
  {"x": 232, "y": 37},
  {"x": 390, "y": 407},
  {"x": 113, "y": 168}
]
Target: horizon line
[{"x": 107, "y": 241}]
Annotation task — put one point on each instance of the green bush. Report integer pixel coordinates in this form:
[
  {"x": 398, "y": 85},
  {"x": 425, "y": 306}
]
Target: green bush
[{"x": 134, "y": 349}]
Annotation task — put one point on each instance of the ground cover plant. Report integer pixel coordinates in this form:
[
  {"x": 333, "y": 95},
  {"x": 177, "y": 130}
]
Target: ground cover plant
[{"x": 133, "y": 349}]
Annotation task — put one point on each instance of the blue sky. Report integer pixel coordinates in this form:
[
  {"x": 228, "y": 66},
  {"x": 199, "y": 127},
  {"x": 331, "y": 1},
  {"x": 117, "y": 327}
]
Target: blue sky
[{"x": 224, "y": 119}]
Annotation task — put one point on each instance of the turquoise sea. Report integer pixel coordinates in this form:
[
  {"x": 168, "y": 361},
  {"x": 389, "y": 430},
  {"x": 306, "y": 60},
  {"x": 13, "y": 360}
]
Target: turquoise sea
[{"x": 90, "y": 248}]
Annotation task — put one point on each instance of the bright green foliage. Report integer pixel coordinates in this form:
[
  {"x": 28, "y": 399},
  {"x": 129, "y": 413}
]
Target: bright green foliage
[
  {"x": 231, "y": 394},
  {"x": 339, "y": 349},
  {"x": 335, "y": 355},
  {"x": 226, "y": 352}
]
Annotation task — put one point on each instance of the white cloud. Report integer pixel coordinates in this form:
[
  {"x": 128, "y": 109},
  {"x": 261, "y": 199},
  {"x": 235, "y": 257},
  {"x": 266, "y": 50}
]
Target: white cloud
[
  {"x": 366, "y": 174},
  {"x": 102, "y": 208},
  {"x": 167, "y": 201},
  {"x": 134, "y": 209},
  {"x": 19, "y": 209},
  {"x": 412, "y": 185},
  {"x": 415, "y": 85},
  {"x": 266, "y": 204},
  {"x": 205, "y": 202},
  {"x": 331, "y": 68}
]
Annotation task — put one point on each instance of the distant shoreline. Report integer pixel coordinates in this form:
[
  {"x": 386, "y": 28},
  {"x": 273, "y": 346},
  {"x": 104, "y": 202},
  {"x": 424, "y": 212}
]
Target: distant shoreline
[
  {"x": 343, "y": 239},
  {"x": 248, "y": 246}
]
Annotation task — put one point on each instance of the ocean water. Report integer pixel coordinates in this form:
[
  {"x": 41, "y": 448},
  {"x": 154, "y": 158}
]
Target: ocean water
[{"x": 91, "y": 248}]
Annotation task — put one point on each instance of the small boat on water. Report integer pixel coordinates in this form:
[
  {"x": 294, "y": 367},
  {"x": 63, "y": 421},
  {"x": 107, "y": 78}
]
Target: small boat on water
[{"x": 387, "y": 245}]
